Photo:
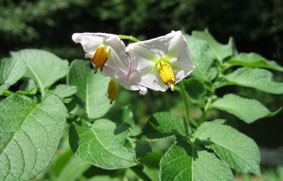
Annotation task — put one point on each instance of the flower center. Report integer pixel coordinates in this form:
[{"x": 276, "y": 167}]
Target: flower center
[
  {"x": 167, "y": 75},
  {"x": 100, "y": 57},
  {"x": 113, "y": 90},
  {"x": 162, "y": 64}
]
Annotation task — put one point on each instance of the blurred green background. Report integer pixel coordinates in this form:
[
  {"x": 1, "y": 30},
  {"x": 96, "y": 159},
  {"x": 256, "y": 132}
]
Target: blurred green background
[{"x": 257, "y": 26}]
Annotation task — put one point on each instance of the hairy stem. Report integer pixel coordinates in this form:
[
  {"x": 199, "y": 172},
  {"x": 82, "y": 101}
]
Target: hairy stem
[
  {"x": 126, "y": 37},
  {"x": 186, "y": 103}
]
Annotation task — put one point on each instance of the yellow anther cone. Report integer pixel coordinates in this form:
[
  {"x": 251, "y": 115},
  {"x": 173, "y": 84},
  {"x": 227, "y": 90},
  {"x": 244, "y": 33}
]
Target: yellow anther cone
[
  {"x": 100, "y": 57},
  {"x": 167, "y": 75},
  {"x": 113, "y": 90}
]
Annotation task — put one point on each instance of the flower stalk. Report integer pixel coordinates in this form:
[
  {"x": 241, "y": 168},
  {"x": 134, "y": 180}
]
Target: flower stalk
[
  {"x": 186, "y": 103},
  {"x": 127, "y": 37}
]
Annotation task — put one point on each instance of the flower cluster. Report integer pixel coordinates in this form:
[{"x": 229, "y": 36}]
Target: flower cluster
[{"x": 156, "y": 64}]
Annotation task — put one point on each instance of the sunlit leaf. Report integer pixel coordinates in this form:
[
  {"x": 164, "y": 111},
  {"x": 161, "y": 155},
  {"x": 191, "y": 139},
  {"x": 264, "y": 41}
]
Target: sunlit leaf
[
  {"x": 104, "y": 144},
  {"x": 248, "y": 110},
  {"x": 253, "y": 60},
  {"x": 235, "y": 148},
  {"x": 221, "y": 51},
  {"x": 30, "y": 133},
  {"x": 11, "y": 70},
  {"x": 92, "y": 89},
  {"x": 185, "y": 162},
  {"x": 43, "y": 67},
  {"x": 256, "y": 78},
  {"x": 203, "y": 58}
]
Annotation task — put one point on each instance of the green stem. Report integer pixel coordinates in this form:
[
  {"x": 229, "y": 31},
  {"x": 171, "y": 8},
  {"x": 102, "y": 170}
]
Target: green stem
[
  {"x": 7, "y": 93},
  {"x": 126, "y": 37},
  {"x": 139, "y": 172},
  {"x": 186, "y": 103}
]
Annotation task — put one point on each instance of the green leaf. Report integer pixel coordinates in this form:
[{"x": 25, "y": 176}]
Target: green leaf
[
  {"x": 203, "y": 58},
  {"x": 92, "y": 89},
  {"x": 28, "y": 87},
  {"x": 253, "y": 60},
  {"x": 185, "y": 162},
  {"x": 43, "y": 67},
  {"x": 73, "y": 170},
  {"x": 11, "y": 71},
  {"x": 195, "y": 90},
  {"x": 248, "y": 110},
  {"x": 30, "y": 133},
  {"x": 104, "y": 144},
  {"x": 128, "y": 118},
  {"x": 64, "y": 91},
  {"x": 255, "y": 78},
  {"x": 62, "y": 161},
  {"x": 235, "y": 148},
  {"x": 152, "y": 159},
  {"x": 221, "y": 51},
  {"x": 163, "y": 125}
]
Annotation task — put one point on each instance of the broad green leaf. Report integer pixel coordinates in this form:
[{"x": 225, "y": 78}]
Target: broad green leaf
[
  {"x": 235, "y": 148},
  {"x": 64, "y": 91},
  {"x": 195, "y": 90},
  {"x": 104, "y": 144},
  {"x": 92, "y": 89},
  {"x": 28, "y": 87},
  {"x": 163, "y": 125},
  {"x": 43, "y": 67},
  {"x": 248, "y": 110},
  {"x": 185, "y": 162},
  {"x": 255, "y": 78},
  {"x": 30, "y": 133},
  {"x": 221, "y": 51},
  {"x": 11, "y": 71},
  {"x": 253, "y": 60},
  {"x": 203, "y": 58}
]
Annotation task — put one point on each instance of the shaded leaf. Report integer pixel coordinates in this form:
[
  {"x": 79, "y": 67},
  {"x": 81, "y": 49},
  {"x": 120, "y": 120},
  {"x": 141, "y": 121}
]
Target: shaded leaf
[
  {"x": 163, "y": 125},
  {"x": 73, "y": 170},
  {"x": 235, "y": 148},
  {"x": 28, "y": 87},
  {"x": 195, "y": 90},
  {"x": 30, "y": 133}
]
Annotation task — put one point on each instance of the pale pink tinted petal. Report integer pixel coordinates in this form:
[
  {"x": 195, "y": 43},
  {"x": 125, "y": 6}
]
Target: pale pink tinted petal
[
  {"x": 91, "y": 41},
  {"x": 178, "y": 47},
  {"x": 117, "y": 57}
]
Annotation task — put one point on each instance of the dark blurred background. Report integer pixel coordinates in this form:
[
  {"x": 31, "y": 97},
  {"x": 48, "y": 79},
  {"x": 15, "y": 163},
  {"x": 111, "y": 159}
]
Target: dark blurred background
[{"x": 257, "y": 26}]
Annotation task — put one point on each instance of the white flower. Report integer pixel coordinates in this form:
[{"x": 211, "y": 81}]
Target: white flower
[
  {"x": 161, "y": 62},
  {"x": 108, "y": 55}
]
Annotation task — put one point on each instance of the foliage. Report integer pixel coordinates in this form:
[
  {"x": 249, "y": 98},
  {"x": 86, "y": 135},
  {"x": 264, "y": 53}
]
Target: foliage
[
  {"x": 28, "y": 23},
  {"x": 54, "y": 96}
]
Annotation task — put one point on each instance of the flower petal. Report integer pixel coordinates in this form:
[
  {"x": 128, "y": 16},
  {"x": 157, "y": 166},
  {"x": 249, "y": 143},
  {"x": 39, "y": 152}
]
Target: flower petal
[{"x": 144, "y": 54}]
